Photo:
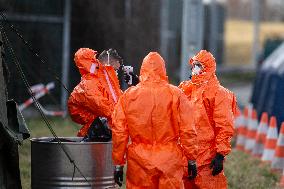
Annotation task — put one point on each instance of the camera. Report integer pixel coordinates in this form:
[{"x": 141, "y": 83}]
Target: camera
[{"x": 128, "y": 70}]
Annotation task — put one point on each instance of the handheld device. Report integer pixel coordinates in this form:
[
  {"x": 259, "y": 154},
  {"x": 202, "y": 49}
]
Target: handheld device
[{"x": 128, "y": 70}]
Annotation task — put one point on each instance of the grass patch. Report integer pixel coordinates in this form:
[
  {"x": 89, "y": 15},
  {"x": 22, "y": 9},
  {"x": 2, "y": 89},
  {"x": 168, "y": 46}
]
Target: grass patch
[
  {"x": 242, "y": 170},
  {"x": 245, "y": 171},
  {"x": 39, "y": 129}
]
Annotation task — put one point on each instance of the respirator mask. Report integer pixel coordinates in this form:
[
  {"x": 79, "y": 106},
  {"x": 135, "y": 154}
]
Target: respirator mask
[{"x": 196, "y": 68}]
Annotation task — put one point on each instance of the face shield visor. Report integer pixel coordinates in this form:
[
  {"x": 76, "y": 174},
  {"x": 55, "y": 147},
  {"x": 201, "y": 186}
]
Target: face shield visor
[{"x": 113, "y": 61}]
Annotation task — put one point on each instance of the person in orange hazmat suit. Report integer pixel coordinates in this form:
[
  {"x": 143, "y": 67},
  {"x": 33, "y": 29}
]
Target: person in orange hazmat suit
[
  {"x": 215, "y": 107},
  {"x": 154, "y": 116},
  {"x": 97, "y": 93}
]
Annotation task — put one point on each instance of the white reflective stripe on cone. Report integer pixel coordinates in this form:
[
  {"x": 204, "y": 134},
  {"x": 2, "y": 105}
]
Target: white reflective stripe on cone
[
  {"x": 251, "y": 139},
  {"x": 239, "y": 121},
  {"x": 268, "y": 155},
  {"x": 272, "y": 133},
  {"x": 258, "y": 149},
  {"x": 262, "y": 128},
  {"x": 278, "y": 159},
  {"x": 254, "y": 125},
  {"x": 246, "y": 121},
  {"x": 249, "y": 144},
  {"x": 281, "y": 183},
  {"x": 241, "y": 140},
  {"x": 277, "y": 163},
  {"x": 280, "y": 141}
]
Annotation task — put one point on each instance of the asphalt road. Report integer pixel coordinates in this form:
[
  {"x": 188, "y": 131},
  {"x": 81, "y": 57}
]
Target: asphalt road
[{"x": 243, "y": 92}]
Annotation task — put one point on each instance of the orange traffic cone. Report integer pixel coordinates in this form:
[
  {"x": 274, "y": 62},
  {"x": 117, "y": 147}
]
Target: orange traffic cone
[
  {"x": 238, "y": 122},
  {"x": 281, "y": 183},
  {"x": 278, "y": 159},
  {"x": 251, "y": 132},
  {"x": 242, "y": 130},
  {"x": 261, "y": 136},
  {"x": 271, "y": 141}
]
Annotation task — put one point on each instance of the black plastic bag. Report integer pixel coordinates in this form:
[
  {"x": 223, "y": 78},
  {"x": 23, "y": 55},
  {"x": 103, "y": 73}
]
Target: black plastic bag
[{"x": 98, "y": 131}]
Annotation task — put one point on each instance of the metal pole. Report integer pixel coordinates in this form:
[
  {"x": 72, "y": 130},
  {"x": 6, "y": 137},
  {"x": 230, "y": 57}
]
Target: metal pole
[
  {"x": 33, "y": 18},
  {"x": 192, "y": 33},
  {"x": 164, "y": 20},
  {"x": 255, "y": 18},
  {"x": 3, "y": 116},
  {"x": 127, "y": 9},
  {"x": 3, "y": 94},
  {"x": 213, "y": 28},
  {"x": 66, "y": 53}
]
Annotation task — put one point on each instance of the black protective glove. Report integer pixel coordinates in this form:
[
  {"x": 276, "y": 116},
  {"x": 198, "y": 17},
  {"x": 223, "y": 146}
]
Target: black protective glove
[
  {"x": 192, "y": 170},
  {"x": 217, "y": 164},
  {"x": 118, "y": 175},
  {"x": 98, "y": 131},
  {"x": 135, "y": 78}
]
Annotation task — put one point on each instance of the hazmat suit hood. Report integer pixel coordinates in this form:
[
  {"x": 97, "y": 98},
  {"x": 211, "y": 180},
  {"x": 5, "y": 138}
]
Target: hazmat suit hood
[
  {"x": 85, "y": 60},
  {"x": 153, "y": 68},
  {"x": 208, "y": 62}
]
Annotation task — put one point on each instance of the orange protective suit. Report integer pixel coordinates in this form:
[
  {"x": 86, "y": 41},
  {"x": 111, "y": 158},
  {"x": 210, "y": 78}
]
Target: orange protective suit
[
  {"x": 96, "y": 94},
  {"x": 214, "y": 112},
  {"x": 155, "y": 116}
]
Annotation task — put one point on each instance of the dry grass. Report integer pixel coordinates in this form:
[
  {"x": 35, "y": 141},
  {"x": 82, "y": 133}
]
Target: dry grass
[
  {"x": 239, "y": 38},
  {"x": 245, "y": 171}
]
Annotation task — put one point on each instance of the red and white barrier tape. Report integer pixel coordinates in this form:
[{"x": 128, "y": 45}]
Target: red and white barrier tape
[{"x": 40, "y": 90}]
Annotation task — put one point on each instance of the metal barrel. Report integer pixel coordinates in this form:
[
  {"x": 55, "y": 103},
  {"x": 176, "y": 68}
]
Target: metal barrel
[{"x": 51, "y": 168}]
